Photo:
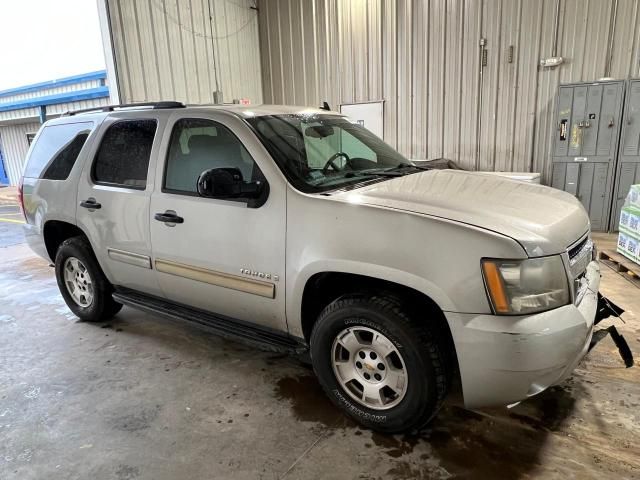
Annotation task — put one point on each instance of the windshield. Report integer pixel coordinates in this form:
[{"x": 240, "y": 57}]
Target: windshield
[{"x": 325, "y": 152}]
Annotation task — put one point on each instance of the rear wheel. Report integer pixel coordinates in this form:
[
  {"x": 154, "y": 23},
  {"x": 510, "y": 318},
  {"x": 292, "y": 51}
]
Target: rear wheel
[
  {"x": 85, "y": 289},
  {"x": 381, "y": 367}
]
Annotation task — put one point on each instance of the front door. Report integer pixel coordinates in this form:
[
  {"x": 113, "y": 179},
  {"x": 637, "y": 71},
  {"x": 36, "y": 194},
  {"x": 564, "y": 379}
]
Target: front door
[
  {"x": 223, "y": 256},
  {"x": 113, "y": 201}
]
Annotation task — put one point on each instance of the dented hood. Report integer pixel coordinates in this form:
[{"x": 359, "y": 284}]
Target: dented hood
[{"x": 543, "y": 220}]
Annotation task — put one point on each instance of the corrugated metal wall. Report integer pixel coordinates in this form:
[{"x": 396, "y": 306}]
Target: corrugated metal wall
[
  {"x": 423, "y": 57},
  {"x": 26, "y": 114},
  {"x": 60, "y": 108},
  {"x": 14, "y": 145},
  {"x": 186, "y": 50},
  {"x": 53, "y": 90}
]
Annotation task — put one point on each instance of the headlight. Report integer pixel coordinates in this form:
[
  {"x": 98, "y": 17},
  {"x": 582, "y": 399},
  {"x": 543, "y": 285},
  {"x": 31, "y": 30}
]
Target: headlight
[{"x": 518, "y": 287}]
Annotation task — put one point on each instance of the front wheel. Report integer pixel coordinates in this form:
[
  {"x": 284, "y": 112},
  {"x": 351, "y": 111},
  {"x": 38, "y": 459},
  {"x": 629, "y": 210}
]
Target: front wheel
[
  {"x": 85, "y": 289},
  {"x": 380, "y": 366}
]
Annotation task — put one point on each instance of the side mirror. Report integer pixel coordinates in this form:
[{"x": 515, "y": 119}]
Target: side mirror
[{"x": 226, "y": 183}]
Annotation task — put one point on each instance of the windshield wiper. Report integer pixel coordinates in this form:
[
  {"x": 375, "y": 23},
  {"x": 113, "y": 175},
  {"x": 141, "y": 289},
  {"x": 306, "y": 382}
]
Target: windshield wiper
[
  {"x": 403, "y": 166},
  {"x": 373, "y": 173},
  {"x": 397, "y": 171}
]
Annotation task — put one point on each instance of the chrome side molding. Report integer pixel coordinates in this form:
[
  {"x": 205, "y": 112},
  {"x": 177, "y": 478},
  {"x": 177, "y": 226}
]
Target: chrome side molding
[
  {"x": 129, "y": 257},
  {"x": 220, "y": 279}
]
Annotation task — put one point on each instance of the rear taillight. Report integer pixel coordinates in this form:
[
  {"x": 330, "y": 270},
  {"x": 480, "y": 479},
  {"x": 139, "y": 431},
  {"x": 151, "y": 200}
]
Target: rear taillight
[{"x": 21, "y": 197}]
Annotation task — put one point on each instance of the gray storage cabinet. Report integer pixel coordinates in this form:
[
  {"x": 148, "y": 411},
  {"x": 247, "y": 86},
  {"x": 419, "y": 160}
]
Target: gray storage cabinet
[
  {"x": 628, "y": 169},
  {"x": 588, "y": 120}
]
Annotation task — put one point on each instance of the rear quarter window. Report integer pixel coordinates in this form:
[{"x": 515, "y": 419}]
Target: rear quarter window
[
  {"x": 123, "y": 157},
  {"x": 56, "y": 150}
]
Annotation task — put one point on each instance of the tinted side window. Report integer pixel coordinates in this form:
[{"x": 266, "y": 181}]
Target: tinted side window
[
  {"x": 62, "y": 163},
  {"x": 198, "y": 145},
  {"x": 123, "y": 156},
  {"x": 56, "y": 150}
]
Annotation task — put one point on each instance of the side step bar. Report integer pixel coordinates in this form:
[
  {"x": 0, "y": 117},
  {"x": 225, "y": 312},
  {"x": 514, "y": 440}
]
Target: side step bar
[{"x": 255, "y": 335}]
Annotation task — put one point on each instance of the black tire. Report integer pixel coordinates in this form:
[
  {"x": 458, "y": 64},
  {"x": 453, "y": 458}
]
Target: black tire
[
  {"x": 419, "y": 345},
  {"x": 103, "y": 305}
]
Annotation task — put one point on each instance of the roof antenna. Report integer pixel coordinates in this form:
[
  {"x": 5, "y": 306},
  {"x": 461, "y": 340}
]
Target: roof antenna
[{"x": 325, "y": 106}]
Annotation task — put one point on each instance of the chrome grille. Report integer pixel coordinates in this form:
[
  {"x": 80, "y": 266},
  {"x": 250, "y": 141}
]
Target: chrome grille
[
  {"x": 576, "y": 249},
  {"x": 580, "y": 254},
  {"x": 579, "y": 257}
]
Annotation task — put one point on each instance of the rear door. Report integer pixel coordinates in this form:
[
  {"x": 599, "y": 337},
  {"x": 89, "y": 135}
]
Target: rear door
[
  {"x": 223, "y": 256},
  {"x": 113, "y": 198}
]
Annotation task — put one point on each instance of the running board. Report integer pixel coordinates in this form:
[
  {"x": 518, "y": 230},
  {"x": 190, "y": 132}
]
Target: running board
[{"x": 255, "y": 335}]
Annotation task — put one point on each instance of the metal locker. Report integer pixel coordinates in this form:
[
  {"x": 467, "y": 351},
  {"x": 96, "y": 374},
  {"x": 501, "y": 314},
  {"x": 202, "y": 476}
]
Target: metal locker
[
  {"x": 609, "y": 126},
  {"x": 586, "y": 185},
  {"x": 631, "y": 131},
  {"x": 584, "y": 152},
  {"x": 628, "y": 168},
  {"x": 591, "y": 119},
  {"x": 571, "y": 180},
  {"x": 559, "y": 172},
  {"x": 598, "y": 209},
  {"x": 565, "y": 100},
  {"x": 577, "y": 121}
]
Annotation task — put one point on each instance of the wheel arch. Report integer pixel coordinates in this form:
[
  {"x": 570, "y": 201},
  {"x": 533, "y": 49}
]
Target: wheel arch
[
  {"x": 54, "y": 232},
  {"x": 324, "y": 287}
]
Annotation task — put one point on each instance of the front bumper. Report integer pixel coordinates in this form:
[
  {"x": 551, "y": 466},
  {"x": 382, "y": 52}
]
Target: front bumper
[{"x": 505, "y": 359}]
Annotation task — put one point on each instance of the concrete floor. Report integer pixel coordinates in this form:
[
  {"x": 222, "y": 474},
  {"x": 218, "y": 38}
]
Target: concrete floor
[
  {"x": 141, "y": 397},
  {"x": 10, "y": 217}
]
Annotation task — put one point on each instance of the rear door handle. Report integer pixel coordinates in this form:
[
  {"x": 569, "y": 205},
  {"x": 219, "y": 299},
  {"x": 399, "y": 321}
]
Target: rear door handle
[
  {"x": 168, "y": 217},
  {"x": 91, "y": 204}
]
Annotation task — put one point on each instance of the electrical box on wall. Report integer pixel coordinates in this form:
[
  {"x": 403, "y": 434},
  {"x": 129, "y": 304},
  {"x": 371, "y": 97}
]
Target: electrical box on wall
[
  {"x": 585, "y": 144},
  {"x": 368, "y": 114}
]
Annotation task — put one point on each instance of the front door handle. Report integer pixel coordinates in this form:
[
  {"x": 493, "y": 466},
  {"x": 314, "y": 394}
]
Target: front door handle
[
  {"x": 168, "y": 217},
  {"x": 91, "y": 204}
]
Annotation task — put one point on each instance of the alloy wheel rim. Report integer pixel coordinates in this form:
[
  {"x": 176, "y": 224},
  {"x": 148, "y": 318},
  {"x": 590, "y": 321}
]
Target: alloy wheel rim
[
  {"x": 78, "y": 282},
  {"x": 369, "y": 367}
]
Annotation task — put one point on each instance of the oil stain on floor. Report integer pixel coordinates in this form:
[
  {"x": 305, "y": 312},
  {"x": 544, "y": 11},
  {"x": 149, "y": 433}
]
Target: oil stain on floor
[
  {"x": 308, "y": 401},
  {"x": 466, "y": 444}
]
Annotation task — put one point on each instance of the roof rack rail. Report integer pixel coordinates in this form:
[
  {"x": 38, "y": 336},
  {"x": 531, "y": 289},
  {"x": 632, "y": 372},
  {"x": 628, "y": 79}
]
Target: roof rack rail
[{"x": 111, "y": 108}]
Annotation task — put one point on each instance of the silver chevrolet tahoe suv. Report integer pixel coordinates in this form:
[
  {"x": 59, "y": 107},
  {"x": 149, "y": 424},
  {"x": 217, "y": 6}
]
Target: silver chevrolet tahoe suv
[{"x": 300, "y": 231}]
